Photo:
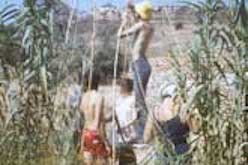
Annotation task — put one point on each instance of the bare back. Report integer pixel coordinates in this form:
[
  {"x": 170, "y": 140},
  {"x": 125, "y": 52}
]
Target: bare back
[
  {"x": 167, "y": 111},
  {"x": 91, "y": 104}
]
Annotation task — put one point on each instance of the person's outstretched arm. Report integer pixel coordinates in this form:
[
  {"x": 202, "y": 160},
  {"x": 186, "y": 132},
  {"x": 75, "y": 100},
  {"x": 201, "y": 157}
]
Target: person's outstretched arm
[
  {"x": 128, "y": 15},
  {"x": 135, "y": 28}
]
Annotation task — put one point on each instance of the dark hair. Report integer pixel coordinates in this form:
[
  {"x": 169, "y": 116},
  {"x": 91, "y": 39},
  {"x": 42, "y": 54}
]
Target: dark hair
[
  {"x": 95, "y": 79},
  {"x": 126, "y": 84}
]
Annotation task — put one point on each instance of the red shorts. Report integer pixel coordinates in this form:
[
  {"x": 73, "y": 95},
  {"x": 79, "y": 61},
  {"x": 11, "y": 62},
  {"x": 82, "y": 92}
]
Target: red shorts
[{"x": 93, "y": 143}]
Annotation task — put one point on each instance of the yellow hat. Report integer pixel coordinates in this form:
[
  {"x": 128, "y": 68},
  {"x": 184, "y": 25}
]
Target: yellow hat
[{"x": 144, "y": 10}]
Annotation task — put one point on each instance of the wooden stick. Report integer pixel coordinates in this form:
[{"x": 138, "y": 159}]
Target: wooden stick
[{"x": 92, "y": 45}]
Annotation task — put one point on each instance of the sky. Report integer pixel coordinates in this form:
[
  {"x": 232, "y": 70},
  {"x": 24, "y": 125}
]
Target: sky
[{"x": 86, "y": 4}]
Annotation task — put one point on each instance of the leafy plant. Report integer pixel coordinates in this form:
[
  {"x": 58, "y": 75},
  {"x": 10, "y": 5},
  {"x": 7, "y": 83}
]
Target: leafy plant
[
  {"x": 216, "y": 62},
  {"x": 35, "y": 22}
]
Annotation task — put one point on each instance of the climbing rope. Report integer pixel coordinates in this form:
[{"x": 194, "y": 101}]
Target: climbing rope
[
  {"x": 114, "y": 100},
  {"x": 125, "y": 59}
]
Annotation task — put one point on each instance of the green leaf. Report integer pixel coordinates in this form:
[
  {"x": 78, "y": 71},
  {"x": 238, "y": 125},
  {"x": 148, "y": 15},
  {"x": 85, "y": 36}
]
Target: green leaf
[{"x": 27, "y": 36}]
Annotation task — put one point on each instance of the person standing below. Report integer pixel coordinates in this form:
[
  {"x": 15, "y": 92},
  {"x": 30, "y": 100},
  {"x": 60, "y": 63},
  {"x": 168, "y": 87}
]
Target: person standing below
[
  {"x": 142, "y": 32},
  {"x": 130, "y": 130},
  {"x": 94, "y": 146}
]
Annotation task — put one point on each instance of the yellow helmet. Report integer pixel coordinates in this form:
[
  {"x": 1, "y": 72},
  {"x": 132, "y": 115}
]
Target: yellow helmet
[{"x": 144, "y": 10}]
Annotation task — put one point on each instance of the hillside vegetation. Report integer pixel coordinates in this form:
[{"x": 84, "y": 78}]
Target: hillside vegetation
[{"x": 46, "y": 46}]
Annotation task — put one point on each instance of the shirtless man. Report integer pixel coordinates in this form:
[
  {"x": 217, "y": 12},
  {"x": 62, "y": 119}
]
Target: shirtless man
[
  {"x": 94, "y": 146},
  {"x": 142, "y": 31}
]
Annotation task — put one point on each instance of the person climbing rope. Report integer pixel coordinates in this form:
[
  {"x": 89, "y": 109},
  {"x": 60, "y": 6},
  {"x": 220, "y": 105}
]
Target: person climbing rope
[
  {"x": 142, "y": 31},
  {"x": 94, "y": 146}
]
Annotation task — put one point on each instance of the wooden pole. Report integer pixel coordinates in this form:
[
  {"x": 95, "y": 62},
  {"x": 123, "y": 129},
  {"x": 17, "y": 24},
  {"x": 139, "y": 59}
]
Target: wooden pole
[
  {"x": 92, "y": 45},
  {"x": 114, "y": 101}
]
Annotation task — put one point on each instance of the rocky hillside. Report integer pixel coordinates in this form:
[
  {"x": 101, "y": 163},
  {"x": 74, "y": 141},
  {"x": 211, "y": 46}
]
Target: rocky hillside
[{"x": 173, "y": 27}]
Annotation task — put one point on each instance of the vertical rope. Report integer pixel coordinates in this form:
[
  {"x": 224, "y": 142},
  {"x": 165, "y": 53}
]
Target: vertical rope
[
  {"x": 114, "y": 84},
  {"x": 125, "y": 62},
  {"x": 114, "y": 101}
]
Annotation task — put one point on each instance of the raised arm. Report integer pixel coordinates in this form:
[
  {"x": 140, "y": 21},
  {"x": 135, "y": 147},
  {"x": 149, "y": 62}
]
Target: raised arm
[
  {"x": 135, "y": 28},
  {"x": 129, "y": 13},
  {"x": 128, "y": 17}
]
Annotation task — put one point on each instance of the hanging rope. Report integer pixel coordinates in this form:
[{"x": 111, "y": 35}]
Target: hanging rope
[
  {"x": 114, "y": 100},
  {"x": 125, "y": 62}
]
